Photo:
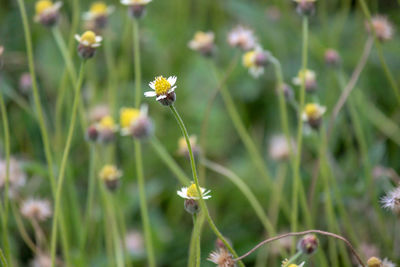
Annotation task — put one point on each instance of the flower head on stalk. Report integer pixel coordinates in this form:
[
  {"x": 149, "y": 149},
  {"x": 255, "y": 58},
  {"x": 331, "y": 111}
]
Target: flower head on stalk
[
  {"x": 110, "y": 175},
  {"x": 36, "y": 209},
  {"x": 136, "y": 122},
  {"x": 137, "y": 8},
  {"x": 164, "y": 90},
  {"x": 47, "y": 13},
  {"x": 88, "y": 43},
  {"x": 97, "y": 16},
  {"x": 392, "y": 201},
  {"x": 332, "y": 57},
  {"x": 242, "y": 38},
  {"x": 222, "y": 258},
  {"x": 310, "y": 79},
  {"x": 192, "y": 193},
  {"x": 312, "y": 114},
  {"x": 305, "y": 7},
  {"x": 106, "y": 128},
  {"x": 203, "y": 42},
  {"x": 382, "y": 27},
  {"x": 255, "y": 60}
]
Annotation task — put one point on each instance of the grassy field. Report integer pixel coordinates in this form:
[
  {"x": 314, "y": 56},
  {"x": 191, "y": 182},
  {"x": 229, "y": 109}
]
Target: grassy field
[{"x": 113, "y": 115}]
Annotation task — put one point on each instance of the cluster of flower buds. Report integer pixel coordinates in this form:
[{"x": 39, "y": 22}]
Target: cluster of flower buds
[
  {"x": 97, "y": 16},
  {"x": 137, "y": 8},
  {"x": 47, "y": 12},
  {"x": 111, "y": 176},
  {"x": 203, "y": 42},
  {"x": 305, "y": 7},
  {"x": 88, "y": 44},
  {"x": 312, "y": 114}
]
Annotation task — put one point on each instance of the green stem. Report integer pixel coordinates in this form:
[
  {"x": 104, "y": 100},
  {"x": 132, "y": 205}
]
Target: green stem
[
  {"x": 169, "y": 161},
  {"x": 194, "y": 250},
  {"x": 138, "y": 73},
  {"x": 296, "y": 170},
  {"x": 293, "y": 259},
  {"x": 65, "y": 53},
  {"x": 64, "y": 160},
  {"x": 203, "y": 205},
  {"x": 3, "y": 259},
  {"x": 6, "y": 130}
]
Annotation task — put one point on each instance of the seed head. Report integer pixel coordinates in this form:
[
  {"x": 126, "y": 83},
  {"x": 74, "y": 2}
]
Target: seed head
[
  {"x": 382, "y": 27},
  {"x": 392, "y": 201},
  {"x": 242, "y": 38},
  {"x": 222, "y": 258},
  {"x": 36, "y": 209}
]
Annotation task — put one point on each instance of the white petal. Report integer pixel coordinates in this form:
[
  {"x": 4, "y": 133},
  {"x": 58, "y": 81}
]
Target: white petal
[
  {"x": 125, "y": 2},
  {"x": 85, "y": 43},
  {"x": 87, "y": 16},
  {"x": 172, "y": 80},
  {"x": 172, "y": 89},
  {"x": 150, "y": 94},
  {"x": 181, "y": 194},
  {"x": 99, "y": 39},
  {"x": 151, "y": 84},
  {"x": 78, "y": 37},
  {"x": 95, "y": 45},
  {"x": 161, "y": 97},
  {"x": 144, "y": 109}
]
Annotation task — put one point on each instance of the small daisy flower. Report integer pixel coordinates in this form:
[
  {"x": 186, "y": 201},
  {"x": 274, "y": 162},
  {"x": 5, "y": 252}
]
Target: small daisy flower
[
  {"x": 36, "y": 209},
  {"x": 192, "y": 193},
  {"x": 279, "y": 149},
  {"x": 310, "y": 79},
  {"x": 392, "y": 201},
  {"x": 164, "y": 90},
  {"x": 382, "y": 27},
  {"x": 110, "y": 175},
  {"x": 243, "y": 38},
  {"x": 136, "y": 7},
  {"x": 255, "y": 60},
  {"x": 305, "y": 7},
  {"x": 106, "y": 129},
  {"x": 312, "y": 114},
  {"x": 183, "y": 148},
  {"x": 97, "y": 16},
  {"x": 222, "y": 258},
  {"x": 88, "y": 43},
  {"x": 203, "y": 42},
  {"x": 47, "y": 12},
  {"x": 136, "y": 122}
]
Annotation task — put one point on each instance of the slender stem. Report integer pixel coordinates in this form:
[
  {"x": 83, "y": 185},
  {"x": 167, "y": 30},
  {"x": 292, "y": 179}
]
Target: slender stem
[
  {"x": 169, "y": 161},
  {"x": 246, "y": 192},
  {"x": 138, "y": 72},
  {"x": 194, "y": 251},
  {"x": 143, "y": 205},
  {"x": 324, "y": 233},
  {"x": 3, "y": 259},
  {"x": 293, "y": 259},
  {"x": 21, "y": 228},
  {"x": 6, "y": 130},
  {"x": 296, "y": 170},
  {"x": 196, "y": 181},
  {"x": 64, "y": 160}
]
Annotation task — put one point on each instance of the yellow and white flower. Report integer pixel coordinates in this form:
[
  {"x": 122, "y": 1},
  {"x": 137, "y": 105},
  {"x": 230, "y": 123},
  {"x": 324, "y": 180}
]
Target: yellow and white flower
[
  {"x": 98, "y": 9},
  {"x": 310, "y": 79},
  {"x": 110, "y": 175},
  {"x": 313, "y": 111},
  {"x": 135, "y": 2},
  {"x": 164, "y": 89},
  {"x": 89, "y": 39},
  {"x": 136, "y": 122},
  {"x": 203, "y": 42},
  {"x": 191, "y": 192},
  {"x": 47, "y": 12},
  {"x": 255, "y": 60}
]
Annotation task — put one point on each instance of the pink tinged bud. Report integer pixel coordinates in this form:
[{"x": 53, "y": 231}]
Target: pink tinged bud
[
  {"x": 305, "y": 7},
  {"x": 191, "y": 206},
  {"x": 332, "y": 57},
  {"x": 92, "y": 133},
  {"x": 308, "y": 244}
]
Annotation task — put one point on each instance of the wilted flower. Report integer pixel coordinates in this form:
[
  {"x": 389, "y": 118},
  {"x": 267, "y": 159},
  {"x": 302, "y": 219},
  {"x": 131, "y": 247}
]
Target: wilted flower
[
  {"x": 136, "y": 122},
  {"x": 308, "y": 244},
  {"x": 134, "y": 242},
  {"x": 313, "y": 114},
  {"x": 47, "y": 12},
  {"x": 392, "y": 201},
  {"x": 382, "y": 27},
  {"x": 279, "y": 148},
  {"x": 242, "y": 37},
  {"x": 106, "y": 129},
  {"x": 110, "y": 175},
  {"x": 374, "y": 262},
  {"x": 17, "y": 177},
  {"x": 310, "y": 79},
  {"x": 255, "y": 60},
  {"x": 36, "y": 209},
  {"x": 203, "y": 42},
  {"x": 305, "y": 7},
  {"x": 332, "y": 57},
  {"x": 164, "y": 90},
  {"x": 88, "y": 44},
  {"x": 222, "y": 258},
  {"x": 192, "y": 193},
  {"x": 183, "y": 148},
  {"x": 136, "y": 7},
  {"x": 97, "y": 16}
]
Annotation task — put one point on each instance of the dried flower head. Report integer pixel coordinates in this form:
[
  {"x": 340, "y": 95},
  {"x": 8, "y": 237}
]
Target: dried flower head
[
  {"x": 255, "y": 60},
  {"x": 305, "y": 7},
  {"x": 279, "y": 149},
  {"x": 332, "y": 57},
  {"x": 203, "y": 42},
  {"x": 192, "y": 193},
  {"x": 222, "y": 258},
  {"x": 135, "y": 122},
  {"x": 308, "y": 244},
  {"x": 164, "y": 90},
  {"x": 374, "y": 262},
  {"x": 97, "y": 16},
  {"x": 17, "y": 177},
  {"x": 392, "y": 201},
  {"x": 137, "y": 8},
  {"x": 183, "y": 148},
  {"x": 242, "y": 38},
  {"x": 47, "y": 12},
  {"x": 310, "y": 79},
  {"x": 312, "y": 114},
  {"x": 36, "y": 209},
  {"x": 110, "y": 175},
  {"x": 88, "y": 43},
  {"x": 382, "y": 27}
]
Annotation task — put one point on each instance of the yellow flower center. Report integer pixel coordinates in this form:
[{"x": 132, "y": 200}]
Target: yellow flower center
[
  {"x": 162, "y": 86},
  {"x": 374, "y": 262},
  {"x": 42, "y": 5},
  {"x": 192, "y": 191},
  {"x": 89, "y": 37},
  {"x": 107, "y": 122},
  {"x": 312, "y": 111},
  {"x": 109, "y": 172},
  {"x": 293, "y": 265},
  {"x": 248, "y": 59},
  {"x": 127, "y": 115},
  {"x": 98, "y": 8}
]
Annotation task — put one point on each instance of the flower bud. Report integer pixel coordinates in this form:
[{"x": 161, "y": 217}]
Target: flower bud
[
  {"x": 97, "y": 17},
  {"x": 137, "y": 8},
  {"x": 312, "y": 114},
  {"x": 110, "y": 175},
  {"x": 92, "y": 133},
  {"x": 305, "y": 7},
  {"x": 332, "y": 57},
  {"x": 308, "y": 244},
  {"x": 191, "y": 206},
  {"x": 47, "y": 12},
  {"x": 310, "y": 80},
  {"x": 106, "y": 129},
  {"x": 88, "y": 44},
  {"x": 136, "y": 123},
  {"x": 203, "y": 42}
]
